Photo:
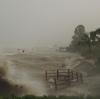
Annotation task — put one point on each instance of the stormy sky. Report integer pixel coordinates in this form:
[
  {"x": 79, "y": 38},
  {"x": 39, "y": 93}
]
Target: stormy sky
[{"x": 31, "y": 23}]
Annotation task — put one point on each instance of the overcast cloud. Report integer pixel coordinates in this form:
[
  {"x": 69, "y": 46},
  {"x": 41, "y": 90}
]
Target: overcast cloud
[{"x": 29, "y": 23}]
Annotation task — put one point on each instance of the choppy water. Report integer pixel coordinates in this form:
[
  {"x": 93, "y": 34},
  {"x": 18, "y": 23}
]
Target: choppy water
[{"x": 23, "y": 74}]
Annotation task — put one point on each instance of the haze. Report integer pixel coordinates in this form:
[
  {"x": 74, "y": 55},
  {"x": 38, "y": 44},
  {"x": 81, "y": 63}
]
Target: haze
[{"x": 31, "y": 23}]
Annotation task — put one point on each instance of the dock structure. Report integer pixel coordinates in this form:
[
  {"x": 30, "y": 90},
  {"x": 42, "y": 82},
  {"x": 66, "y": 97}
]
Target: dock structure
[{"x": 62, "y": 78}]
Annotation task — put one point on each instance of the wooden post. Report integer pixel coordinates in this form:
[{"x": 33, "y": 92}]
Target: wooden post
[
  {"x": 68, "y": 73},
  {"x": 69, "y": 77},
  {"x": 81, "y": 77},
  {"x": 57, "y": 74},
  {"x": 72, "y": 76},
  {"x": 46, "y": 75},
  {"x": 55, "y": 83},
  {"x": 77, "y": 76}
]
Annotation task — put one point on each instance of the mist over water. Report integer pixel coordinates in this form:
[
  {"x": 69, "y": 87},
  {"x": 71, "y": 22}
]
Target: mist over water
[
  {"x": 19, "y": 81},
  {"x": 24, "y": 73}
]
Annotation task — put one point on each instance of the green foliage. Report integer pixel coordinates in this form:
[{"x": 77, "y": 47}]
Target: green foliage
[
  {"x": 80, "y": 41},
  {"x": 87, "y": 45},
  {"x": 50, "y": 97},
  {"x": 93, "y": 35}
]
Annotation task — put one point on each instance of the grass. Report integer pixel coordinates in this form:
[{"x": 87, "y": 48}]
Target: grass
[{"x": 49, "y": 97}]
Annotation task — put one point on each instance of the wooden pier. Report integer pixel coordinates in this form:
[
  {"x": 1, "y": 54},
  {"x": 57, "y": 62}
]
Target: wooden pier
[{"x": 62, "y": 78}]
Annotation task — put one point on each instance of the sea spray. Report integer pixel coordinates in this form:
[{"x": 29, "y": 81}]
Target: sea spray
[{"x": 20, "y": 77}]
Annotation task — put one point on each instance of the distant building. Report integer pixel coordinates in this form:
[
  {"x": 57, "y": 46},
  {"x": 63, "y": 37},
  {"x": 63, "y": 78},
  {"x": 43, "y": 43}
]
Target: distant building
[{"x": 62, "y": 49}]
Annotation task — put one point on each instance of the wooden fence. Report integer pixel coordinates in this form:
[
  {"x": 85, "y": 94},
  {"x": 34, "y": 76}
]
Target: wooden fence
[{"x": 62, "y": 78}]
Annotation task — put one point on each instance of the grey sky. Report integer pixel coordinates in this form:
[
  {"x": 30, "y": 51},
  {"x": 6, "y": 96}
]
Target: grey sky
[{"x": 29, "y": 23}]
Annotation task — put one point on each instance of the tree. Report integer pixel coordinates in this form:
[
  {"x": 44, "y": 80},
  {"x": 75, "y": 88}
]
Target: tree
[
  {"x": 95, "y": 42},
  {"x": 93, "y": 36},
  {"x": 80, "y": 41}
]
